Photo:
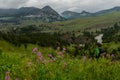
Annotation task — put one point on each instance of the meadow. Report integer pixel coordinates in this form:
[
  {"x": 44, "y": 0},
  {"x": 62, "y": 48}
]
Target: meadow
[
  {"x": 45, "y": 63},
  {"x": 76, "y": 25}
]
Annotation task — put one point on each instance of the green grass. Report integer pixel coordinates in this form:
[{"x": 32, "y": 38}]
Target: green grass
[
  {"x": 89, "y": 23},
  {"x": 81, "y": 24},
  {"x": 21, "y": 63}
]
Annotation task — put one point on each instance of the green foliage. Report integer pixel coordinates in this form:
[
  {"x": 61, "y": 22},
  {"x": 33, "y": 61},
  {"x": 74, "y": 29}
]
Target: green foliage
[
  {"x": 22, "y": 64},
  {"x": 61, "y": 69},
  {"x": 110, "y": 33},
  {"x": 42, "y": 39}
]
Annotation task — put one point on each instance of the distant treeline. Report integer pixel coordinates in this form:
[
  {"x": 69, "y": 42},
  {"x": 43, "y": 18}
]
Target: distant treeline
[
  {"x": 112, "y": 33},
  {"x": 29, "y": 34},
  {"x": 42, "y": 39},
  {"x": 32, "y": 34}
]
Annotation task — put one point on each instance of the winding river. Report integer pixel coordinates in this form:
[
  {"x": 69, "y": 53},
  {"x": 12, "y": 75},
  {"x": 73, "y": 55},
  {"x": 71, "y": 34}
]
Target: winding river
[{"x": 99, "y": 38}]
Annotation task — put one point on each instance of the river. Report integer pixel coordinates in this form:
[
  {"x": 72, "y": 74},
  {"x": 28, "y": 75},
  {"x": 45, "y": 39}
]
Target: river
[{"x": 99, "y": 38}]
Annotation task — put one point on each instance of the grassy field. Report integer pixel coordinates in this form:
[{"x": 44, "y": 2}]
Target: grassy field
[
  {"x": 18, "y": 63},
  {"x": 81, "y": 24}
]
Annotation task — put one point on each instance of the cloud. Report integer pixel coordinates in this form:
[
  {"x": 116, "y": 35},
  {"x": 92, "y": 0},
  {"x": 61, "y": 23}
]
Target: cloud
[
  {"x": 62, "y": 5},
  {"x": 12, "y": 3}
]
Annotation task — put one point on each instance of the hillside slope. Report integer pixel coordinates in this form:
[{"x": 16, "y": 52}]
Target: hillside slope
[
  {"x": 89, "y": 23},
  {"x": 73, "y": 15},
  {"x": 76, "y": 25}
]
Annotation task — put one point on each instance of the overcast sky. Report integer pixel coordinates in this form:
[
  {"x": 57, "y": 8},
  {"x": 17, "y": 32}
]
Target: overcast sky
[{"x": 62, "y": 5}]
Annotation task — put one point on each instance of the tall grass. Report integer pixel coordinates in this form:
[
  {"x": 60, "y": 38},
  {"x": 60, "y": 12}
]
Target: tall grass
[
  {"x": 23, "y": 64},
  {"x": 26, "y": 67}
]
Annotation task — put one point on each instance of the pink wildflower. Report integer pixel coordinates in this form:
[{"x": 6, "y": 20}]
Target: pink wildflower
[
  {"x": 29, "y": 63},
  {"x": 64, "y": 49},
  {"x": 50, "y": 60},
  {"x": 40, "y": 56},
  {"x": 60, "y": 53},
  {"x": 34, "y": 50},
  {"x": 50, "y": 56},
  {"x": 107, "y": 55},
  {"x": 16, "y": 79},
  {"x": 7, "y": 77},
  {"x": 112, "y": 55}
]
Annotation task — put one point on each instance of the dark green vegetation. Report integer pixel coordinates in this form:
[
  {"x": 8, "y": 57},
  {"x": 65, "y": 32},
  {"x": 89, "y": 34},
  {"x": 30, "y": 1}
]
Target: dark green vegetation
[
  {"x": 112, "y": 34},
  {"x": 20, "y": 63}
]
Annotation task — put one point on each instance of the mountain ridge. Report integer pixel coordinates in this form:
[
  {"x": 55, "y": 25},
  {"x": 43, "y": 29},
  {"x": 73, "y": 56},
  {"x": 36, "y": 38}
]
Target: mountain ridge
[
  {"x": 74, "y": 15},
  {"x": 45, "y": 14},
  {"x": 49, "y": 14}
]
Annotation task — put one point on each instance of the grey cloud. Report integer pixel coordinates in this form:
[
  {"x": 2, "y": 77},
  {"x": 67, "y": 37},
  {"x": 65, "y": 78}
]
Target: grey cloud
[
  {"x": 12, "y": 3},
  {"x": 62, "y": 5}
]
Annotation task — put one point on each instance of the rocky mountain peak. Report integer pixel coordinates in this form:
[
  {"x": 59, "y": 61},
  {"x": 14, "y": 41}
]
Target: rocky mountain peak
[{"x": 47, "y": 8}]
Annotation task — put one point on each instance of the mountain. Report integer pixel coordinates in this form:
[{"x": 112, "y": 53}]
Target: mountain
[
  {"x": 50, "y": 14},
  {"x": 7, "y": 12},
  {"x": 44, "y": 14},
  {"x": 114, "y": 9},
  {"x": 25, "y": 11},
  {"x": 85, "y": 13},
  {"x": 72, "y": 15}
]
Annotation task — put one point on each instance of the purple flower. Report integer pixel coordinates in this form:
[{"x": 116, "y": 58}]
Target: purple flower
[
  {"x": 41, "y": 58},
  {"x": 7, "y": 77},
  {"x": 30, "y": 63},
  {"x": 34, "y": 50},
  {"x": 39, "y": 54},
  {"x": 50, "y": 60},
  {"x": 64, "y": 49},
  {"x": 60, "y": 53},
  {"x": 16, "y": 79},
  {"x": 108, "y": 55},
  {"x": 50, "y": 55},
  {"x": 112, "y": 55}
]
